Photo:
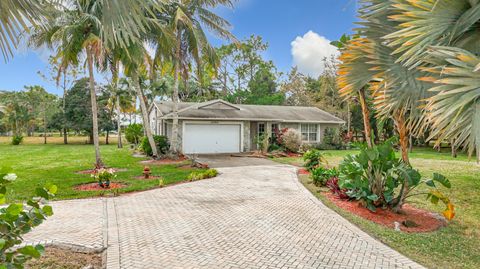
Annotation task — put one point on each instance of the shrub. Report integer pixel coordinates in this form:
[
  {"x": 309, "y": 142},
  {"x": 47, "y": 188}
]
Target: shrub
[
  {"x": 17, "y": 140},
  {"x": 292, "y": 140},
  {"x": 313, "y": 159},
  {"x": 104, "y": 176},
  {"x": 332, "y": 185},
  {"x": 321, "y": 175},
  {"x": 162, "y": 145},
  {"x": 380, "y": 179},
  {"x": 18, "y": 219},
  {"x": 133, "y": 133},
  {"x": 199, "y": 175}
]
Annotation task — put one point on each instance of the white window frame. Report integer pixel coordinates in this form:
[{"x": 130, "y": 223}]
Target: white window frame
[
  {"x": 310, "y": 131},
  {"x": 264, "y": 128}
]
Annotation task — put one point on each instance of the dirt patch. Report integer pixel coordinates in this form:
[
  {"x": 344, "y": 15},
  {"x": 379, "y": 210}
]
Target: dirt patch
[
  {"x": 56, "y": 258},
  {"x": 424, "y": 221},
  {"x": 164, "y": 161},
  {"x": 95, "y": 187},
  {"x": 92, "y": 171},
  {"x": 149, "y": 178}
]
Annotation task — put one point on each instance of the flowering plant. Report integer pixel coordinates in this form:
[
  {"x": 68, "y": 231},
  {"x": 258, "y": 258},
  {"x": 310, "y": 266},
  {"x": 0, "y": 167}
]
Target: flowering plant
[{"x": 104, "y": 176}]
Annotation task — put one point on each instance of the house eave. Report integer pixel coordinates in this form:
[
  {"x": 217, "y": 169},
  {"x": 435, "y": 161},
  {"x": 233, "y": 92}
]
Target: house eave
[{"x": 254, "y": 119}]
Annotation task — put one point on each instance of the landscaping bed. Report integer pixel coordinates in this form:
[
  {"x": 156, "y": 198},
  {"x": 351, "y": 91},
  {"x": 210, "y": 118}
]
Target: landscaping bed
[
  {"x": 58, "y": 258},
  {"x": 94, "y": 186}
]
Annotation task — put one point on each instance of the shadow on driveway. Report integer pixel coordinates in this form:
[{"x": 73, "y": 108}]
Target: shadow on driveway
[{"x": 228, "y": 160}]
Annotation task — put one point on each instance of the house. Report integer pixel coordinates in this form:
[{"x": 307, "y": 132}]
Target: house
[{"x": 221, "y": 127}]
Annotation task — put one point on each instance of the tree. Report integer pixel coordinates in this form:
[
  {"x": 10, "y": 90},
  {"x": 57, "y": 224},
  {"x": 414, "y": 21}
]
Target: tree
[
  {"x": 295, "y": 88},
  {"x": 262, "y": 90},
  {"x": 187, "y": 19}
]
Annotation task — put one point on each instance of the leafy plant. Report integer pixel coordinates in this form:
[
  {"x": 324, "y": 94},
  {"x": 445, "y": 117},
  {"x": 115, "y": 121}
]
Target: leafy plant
[
  {"x": 313, "y": 159},
  {"x": 292, "y": 140},
  {"x": 380, "y": 179},
  {"x": 133, "y": 133},
  {"x": 332, "y": 185},
  {"x": 199, "y": 175},
  {"x": 160, "y": 141},
  {"x": 104, "y": 176},
  {"x": 17, "y": 219},
  {"x": 17, "y": 140},
  {"x": 321, "y": 175}
]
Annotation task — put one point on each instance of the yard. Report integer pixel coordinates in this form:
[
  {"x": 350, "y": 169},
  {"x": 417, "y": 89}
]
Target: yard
[
  {"x": 37, "y": 164},
  {"x": 455, "y": 246}
]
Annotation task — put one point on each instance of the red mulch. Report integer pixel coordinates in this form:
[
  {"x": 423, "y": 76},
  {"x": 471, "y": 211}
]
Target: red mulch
[
  {"x": 95, "y": 187},
  {"x": 426, "y": 221},
  {"x": 92, "y": 171},
  {"x": 164, "y": 161},
  {"x": 303, "y": 171},
  {"x": 149, "y": 178},
  {"x": 291, "y": 154}
]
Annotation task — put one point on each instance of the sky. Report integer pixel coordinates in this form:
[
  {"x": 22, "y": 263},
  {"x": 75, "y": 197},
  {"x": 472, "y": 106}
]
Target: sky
[{"x": 298, "y": 33}]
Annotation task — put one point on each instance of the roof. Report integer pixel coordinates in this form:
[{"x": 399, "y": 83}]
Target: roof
[{"x": 222, "y": 110}]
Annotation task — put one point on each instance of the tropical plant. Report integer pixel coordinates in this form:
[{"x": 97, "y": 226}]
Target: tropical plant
[
  {"x": 104, "y": 177},
  {"x": 17, "y": 219},
  {"x": 161, "y": 143},
  {"x": 133, "y": 133},
  {"x": 313, "y": 159},
  {"x": 378, "y": 178},
  {"x": 17, "y": 140},
  {"x": 194, "y": 176},
  {"x": 332, "y": 185},
  {"x": 321, "y": 175}
]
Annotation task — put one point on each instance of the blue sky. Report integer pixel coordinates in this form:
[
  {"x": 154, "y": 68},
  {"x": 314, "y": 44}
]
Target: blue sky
[{"x": 309, "y": 24}]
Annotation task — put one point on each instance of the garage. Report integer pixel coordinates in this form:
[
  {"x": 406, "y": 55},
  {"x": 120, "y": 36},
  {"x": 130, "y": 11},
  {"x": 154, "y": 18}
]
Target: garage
[{"x": 199, "y": 138}]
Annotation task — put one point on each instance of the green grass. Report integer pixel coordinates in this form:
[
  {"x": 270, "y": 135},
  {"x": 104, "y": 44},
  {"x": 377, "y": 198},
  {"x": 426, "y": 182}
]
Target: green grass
[
  {"x": 455, "y": 246},
  {"x": 36, "y": 165}
]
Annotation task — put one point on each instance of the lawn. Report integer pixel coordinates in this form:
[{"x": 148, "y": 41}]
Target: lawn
[
  {"x": 456, "y": 246},
  {"x": 38, "y": 164}
]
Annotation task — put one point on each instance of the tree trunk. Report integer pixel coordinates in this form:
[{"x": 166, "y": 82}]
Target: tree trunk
[
  {"x": 403, "y": 134},
  {"x": 349, "y": 117},
  {"x": 106, "y": 138},
  {"x": 65, "y": 139},
  {"x": 93, "y": 98},
  {"x": 45, "y": 126},
  {"x": 366, "y": 117},
  {"x": 176, "y": 79},
  {"x": 454, "y": 149},
  {"x": 119, "y": 125},
  {"x": 146, "y": 120}
]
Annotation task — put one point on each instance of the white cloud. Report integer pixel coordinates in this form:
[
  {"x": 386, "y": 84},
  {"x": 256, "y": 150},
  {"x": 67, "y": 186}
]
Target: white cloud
[{"x": 309, "y": 52}]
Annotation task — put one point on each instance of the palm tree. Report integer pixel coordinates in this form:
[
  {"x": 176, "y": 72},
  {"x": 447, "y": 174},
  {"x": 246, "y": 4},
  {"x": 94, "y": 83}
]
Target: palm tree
[
  {"x": 88, "y": 27},
  {"x": 186, "y": 19},
  {"x": 441, "y": 39}
]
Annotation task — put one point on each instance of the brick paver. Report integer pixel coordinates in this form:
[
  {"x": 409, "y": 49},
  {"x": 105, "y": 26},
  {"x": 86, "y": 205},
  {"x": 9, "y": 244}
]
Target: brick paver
[{"x": 248, "y": 217}]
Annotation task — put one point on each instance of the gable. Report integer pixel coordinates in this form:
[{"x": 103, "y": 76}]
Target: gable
[{"x": 219, "y": 105}]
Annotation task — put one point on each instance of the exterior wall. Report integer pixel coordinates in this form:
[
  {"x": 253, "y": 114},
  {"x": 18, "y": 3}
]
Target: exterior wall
[{"x": 247, "y": 142}]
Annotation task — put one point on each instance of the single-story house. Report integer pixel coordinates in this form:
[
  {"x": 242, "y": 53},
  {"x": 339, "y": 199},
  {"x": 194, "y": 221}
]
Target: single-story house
[{"x": 221, "y": 127}]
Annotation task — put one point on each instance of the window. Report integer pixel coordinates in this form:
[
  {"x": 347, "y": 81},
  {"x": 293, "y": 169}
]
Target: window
[
  {"x": 261, "y": 129},
  {"x": 309, "y": 132}
]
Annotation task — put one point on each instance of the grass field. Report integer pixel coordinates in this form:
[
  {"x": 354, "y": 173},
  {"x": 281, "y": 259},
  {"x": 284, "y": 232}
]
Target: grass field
[
  {"x": 456, "y": 246},
  {"x": 38, "y": 164}
]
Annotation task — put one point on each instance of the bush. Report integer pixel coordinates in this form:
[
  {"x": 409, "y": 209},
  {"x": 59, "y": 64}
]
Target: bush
[
  {"x": 194, "y": 176},
  {"x": 321, "y": 175},
  {"x": 17, "y": 140},
  {"x": 17, "y": 219},
  {"x": 332, "y": 185},
  {"x": 162, "y": 145},
  {"x": 380, "y": 179},
  {"x": 292, "y": 140},
  {"x": 313, "y": 159},
  {"x": 133, "y": 133}
]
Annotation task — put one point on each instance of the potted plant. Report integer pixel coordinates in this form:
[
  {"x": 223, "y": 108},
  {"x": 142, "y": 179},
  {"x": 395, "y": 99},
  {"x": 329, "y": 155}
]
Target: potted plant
[{"x": 104, "y": 176}]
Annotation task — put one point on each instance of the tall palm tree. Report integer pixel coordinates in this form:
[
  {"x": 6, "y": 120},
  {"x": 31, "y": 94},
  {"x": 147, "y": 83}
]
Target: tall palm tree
[
  {"x": 187, "y": 19},
  {"x": 80, "y": 28}
]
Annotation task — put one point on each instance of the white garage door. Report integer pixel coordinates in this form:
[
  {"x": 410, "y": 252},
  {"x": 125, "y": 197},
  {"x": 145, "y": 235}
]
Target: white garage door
[{"x": 211, "y": 138}]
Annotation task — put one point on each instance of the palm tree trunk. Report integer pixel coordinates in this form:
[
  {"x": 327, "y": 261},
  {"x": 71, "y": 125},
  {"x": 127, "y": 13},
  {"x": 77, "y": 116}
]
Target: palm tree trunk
[
  {"x": 146, "y": 121},
  {"x": 366, "y": 117},
  {"x": 93, "y": 98},
  {"x": 176, "y": 79},
  {"x": 65, "y": 139},
  {"x": 119, "y": 125},
  {"x": 402, "y": 129},
  {"x": 45, "y": 126}
]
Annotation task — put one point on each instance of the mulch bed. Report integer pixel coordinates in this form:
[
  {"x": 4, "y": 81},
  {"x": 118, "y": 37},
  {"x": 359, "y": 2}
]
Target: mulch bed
[
  {"x": 92, "y": 171},
  {"x": 303, "y": 171},
  {"x": 164, "y": 161},
  {"x": 95, "y": 187},
  {"x": 426, "y": 221},
  {"x": 149, "y": 178}
]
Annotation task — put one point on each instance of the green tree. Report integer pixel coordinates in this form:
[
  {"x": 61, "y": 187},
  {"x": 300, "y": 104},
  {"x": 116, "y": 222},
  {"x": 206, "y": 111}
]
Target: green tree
[{"x": 263, "y": 89}]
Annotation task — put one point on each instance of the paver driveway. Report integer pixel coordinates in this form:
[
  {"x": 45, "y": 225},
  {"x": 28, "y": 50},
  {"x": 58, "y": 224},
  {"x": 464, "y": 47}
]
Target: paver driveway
[{"x": 248, "y": 217}]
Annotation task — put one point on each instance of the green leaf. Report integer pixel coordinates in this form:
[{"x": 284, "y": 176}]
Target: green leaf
[
  {"x": 430, "y": 183},
  {"x": 2, "y": 199},
  {"x": 442, "y": 180},
  {"x": 48, "y": 210},
  {"x": 52, "y": 189},
  {"x": 372, "y": 197},
  {"x": 14, "y": 209},
  {"x": 30, "y": 251},
  {"x": 42, "y": 193},
  {"x": 2, "y": 243}
]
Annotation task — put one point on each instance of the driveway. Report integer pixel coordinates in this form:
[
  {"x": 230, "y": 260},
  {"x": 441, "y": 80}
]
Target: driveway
[
  {"x": 248, "y": 217},
  {"x": 228, "y": 160}
]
